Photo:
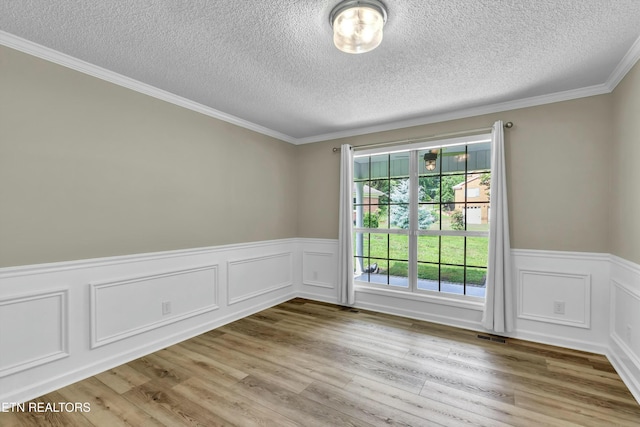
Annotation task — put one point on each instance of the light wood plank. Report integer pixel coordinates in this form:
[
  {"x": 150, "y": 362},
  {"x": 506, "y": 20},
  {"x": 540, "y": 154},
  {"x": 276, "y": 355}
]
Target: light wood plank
[
  {"x": 307, "y": 363},
  {"x": 294, "y": 406},
  {"x": 122, "y": 378},
  {"x": 231, "y": 405},
  {"x": 107, "y": 406}
]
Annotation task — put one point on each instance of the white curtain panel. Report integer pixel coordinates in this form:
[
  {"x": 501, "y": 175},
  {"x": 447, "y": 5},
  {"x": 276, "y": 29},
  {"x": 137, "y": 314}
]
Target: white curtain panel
[
  {"x": 498, "y": 308},
  {"x": 346, "y": 294}
]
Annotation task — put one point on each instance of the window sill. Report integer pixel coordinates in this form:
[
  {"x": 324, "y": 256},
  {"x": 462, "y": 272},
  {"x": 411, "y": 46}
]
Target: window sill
[{"x": 461, "y": 301}]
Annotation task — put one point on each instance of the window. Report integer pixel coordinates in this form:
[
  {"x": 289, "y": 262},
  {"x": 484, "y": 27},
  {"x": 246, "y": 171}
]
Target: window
[
  {"x": 423, "y": 230},
  {"x": 473, "y": 192}
]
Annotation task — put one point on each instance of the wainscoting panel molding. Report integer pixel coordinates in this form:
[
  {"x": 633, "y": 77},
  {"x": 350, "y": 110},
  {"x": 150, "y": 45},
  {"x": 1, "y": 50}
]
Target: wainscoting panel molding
[
  {"x": 562, "y": 298},
  {"x": 123, "y": 308},
  {"x": 63, "y": 322},
  {"x": 624, "y": 319},
  {"x": 317, "y": 268},
  {"x": 35, "y": 326},
  {"x": 552, "y": 297},
  {"x": 624, "y": 339},
  {"x": 319, "y": 275},
  {"x": 251, "y": 277},
  {"x": 96, "y": 314}
]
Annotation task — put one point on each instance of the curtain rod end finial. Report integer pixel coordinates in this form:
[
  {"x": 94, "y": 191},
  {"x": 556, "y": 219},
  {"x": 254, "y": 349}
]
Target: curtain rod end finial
[{"x": 508, "y": 125}]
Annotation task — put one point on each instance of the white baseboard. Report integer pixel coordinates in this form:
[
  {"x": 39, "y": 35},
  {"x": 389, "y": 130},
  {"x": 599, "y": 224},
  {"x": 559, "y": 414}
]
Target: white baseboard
[
  {"x": 318, "y": 297},
  {"x": 561, "y": 341},
  {"x": 420, "y": 315},
  {"x": 629, "y": 372}
]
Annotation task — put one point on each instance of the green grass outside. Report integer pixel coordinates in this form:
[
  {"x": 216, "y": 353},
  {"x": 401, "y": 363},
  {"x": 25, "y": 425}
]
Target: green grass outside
[{"x": 452, "y": 252}]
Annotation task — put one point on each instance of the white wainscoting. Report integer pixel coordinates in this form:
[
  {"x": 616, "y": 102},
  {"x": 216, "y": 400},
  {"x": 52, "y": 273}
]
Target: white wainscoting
[
  {"x": 43, "y": 315},
  {"x": 319, "y": 270},
  {"x": 540, "y": 291},
  {"x": 249, "y": 278},
  {"x": 126, "y": 307},
  {"x": 580, "y": 281},
  {"x": 624, "y": 340},
  {"x": 62, "y": 322}
]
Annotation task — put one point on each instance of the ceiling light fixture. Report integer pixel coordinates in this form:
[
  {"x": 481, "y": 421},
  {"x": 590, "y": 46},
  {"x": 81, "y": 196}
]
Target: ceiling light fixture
[
  {"x": 430, "y": 161},
  {"x": 357, "y": 25}
]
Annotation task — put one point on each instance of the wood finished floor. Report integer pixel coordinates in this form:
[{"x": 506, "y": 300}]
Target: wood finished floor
[{"x": 305, "y": 363}]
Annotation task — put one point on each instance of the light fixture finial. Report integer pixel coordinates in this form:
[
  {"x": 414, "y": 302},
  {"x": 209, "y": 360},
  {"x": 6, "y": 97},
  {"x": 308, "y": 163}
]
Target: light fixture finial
[{"x": 357, "y": 25}]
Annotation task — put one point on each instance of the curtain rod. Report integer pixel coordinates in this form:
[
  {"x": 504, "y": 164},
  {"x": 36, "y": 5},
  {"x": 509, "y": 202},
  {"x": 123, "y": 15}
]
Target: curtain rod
[{"x": 508, "y": 125}]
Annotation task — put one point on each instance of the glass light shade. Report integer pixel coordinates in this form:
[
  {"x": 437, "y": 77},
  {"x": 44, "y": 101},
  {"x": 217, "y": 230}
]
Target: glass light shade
[{"x": 358, "y": 29}]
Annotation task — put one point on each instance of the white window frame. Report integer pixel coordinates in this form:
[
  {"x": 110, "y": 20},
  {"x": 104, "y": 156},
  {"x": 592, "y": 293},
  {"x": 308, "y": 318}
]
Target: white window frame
[{"x": 412, "y": 292}]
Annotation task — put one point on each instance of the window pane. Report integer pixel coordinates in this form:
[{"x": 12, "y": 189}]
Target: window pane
[
  {"x": 429, "y": 248},
  {"x": 452, "y": 189},
  {"x": 380, "y": 190},
  {"x": 476, "y": 281},
  {"x": 367, "y": 246},
  {"x": 428, "y": 275},
  {"x": 380, "y": 166},
  {"x": 399, "y": 273},
  {"x": 367, "y": 208},
  {"x": 429, "y": 189},
  {"x": 429, "y": 217},
  {"x": 399, "y": 246},
  {"x": 376, "y": 214},
  {"x": 479, "y": 157},
  {"x": 453, "y": 159},
  {"x": 360, "y": 168},
  {"x": 399, "y": 165},
  {"x": 452, "y": 250},
  {"x": 370, "y": 270},
  {"x": 378, "y": 246},
  {"x": 477, "y": 251},
  {"x": 398, "y": 264},
  {"x": 453, "y": 217},
  {"x": 452, "y": 279},
  {"x": 374, "y": 265},
  {"x": 399, "y": 209},
  {"x": 477, "y": 215},
  {"x": 476, "y": 276}
]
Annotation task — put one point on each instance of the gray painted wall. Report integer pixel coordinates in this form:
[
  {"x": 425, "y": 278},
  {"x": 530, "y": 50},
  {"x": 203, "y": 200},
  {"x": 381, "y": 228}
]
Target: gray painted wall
[
  {"x": 558, "y": 167},
  {"x": 625, "y": 186},
  {"x": 90, "y": 169}
]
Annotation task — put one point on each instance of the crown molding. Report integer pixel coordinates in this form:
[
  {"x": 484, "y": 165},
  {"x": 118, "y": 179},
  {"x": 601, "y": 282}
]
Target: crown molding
[
  {"x": 624, "y": 66},
  {"x": 628, "y": 61},
  {"x": 465, "y": 113},
  {"x": 76, "y": 64}
]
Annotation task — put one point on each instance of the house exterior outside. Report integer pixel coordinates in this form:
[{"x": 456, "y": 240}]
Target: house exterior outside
[
  {"x": 477, "y": 199},
  {"x": 370, "y": 198}
]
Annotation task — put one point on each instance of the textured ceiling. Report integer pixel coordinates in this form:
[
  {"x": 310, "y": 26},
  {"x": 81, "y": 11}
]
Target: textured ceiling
[{"x": 272, "y": 62}]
